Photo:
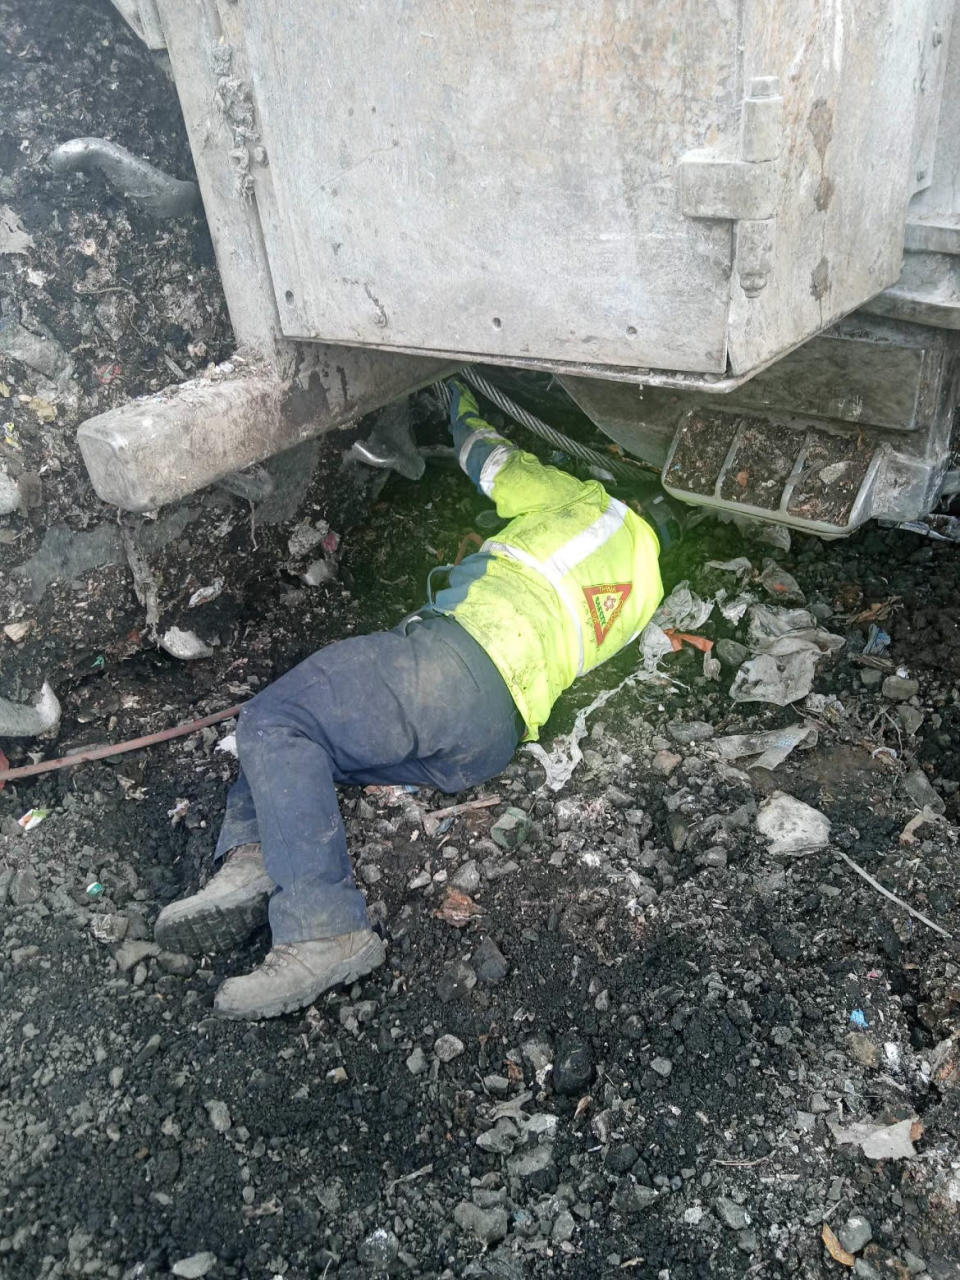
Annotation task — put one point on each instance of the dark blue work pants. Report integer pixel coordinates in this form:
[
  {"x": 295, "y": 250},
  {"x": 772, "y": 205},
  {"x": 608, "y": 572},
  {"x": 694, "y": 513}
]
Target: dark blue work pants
[{"x": 422, "y": 704}]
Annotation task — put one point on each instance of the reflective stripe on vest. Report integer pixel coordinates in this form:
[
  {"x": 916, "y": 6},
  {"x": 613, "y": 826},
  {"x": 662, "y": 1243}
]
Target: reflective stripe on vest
[
  {"x": 492, "y": 467},
  {"x": 564, "y": 560},
  {"x": 481, "y": 433}
]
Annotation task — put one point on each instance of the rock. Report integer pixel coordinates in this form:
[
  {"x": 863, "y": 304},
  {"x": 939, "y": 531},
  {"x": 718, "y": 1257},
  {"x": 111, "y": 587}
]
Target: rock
[
  {"x": 177, "y": 963},
  {"x": 790, "y": 825},
  {"x": 664, "y": 763},
  {"x": 129, "y": 954},
  {"x": 379, "y": 1250},
  {"x": 870, "y": 677},
  {"x": 918, "y": 788},
  {"x": 732, "y": 653},
  {"x": 911, "y": 720},
  {"x": 185, "y": 645},
  {"x": 688, "y": 731},
  {"x": 417, "y": 1062},
  {"x": 196, "y": 1266},
  {"x": 467, "y": 877},
  {"x": 573, "y": 1068},
  {"x": 24, "y": 888},
  {"x": 622, "y": 1158},
  {"x": 511, "y": 828},
  {"x": 488, "y": 1225},
  {"x": 563, "y": 1227},
  {"x": 490, "y": 963},
  {"x": 219, "y": 1114},
  {"x": 747, "y": 1241},
  {"x": 448, "y": 1047},
  {"x": 862, "y": 1049},
  {"x": 731, "y": 1214},
  {"x": 456, "y": 982},
  {"x": 900, "y": 688},
  {"x": 501, "y": 1139},
  {"x": 110, "y": 929},
  {"x": 539, "y": 1053},
  {"x": 529, "y": 1163},
  {"x": 9, "y": 494},
  {"x": 632, "y": 1198},
  {"x": 662, "y": 1066},
  {"x": 855, "y": 1234}
]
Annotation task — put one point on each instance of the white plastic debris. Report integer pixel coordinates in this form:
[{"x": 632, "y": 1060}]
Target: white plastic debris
[
  {"x": 9, "y": 493},
  {"x": 318, "y": 572},
  {"x": 683, "y": 610},
  {"x": 14, "y": 237},
  {"x": 19, "y": 720},
  {"x": 792, "y": 826},
  {"x": 185, "y": 645},
  {"x": 741, "y": 566},
  {"x": 771, "y": 747},
  {"x": 18, "y": 631},
  {"x": 655, "y": 645},
  {"x": 227, "y": 744},
  {"x": 32, "y": 818},
  {"x": 179, "y": 811},
  {"x": 305, "y": 536},
  {"x": 877, "y": 1141},
  {"x": 203, "y": 595},
  {"x": 788, "y": 644}
]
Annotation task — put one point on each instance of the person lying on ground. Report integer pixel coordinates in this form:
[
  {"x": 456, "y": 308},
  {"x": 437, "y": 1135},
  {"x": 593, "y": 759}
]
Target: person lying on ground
[{"x": 440, "y": 701}]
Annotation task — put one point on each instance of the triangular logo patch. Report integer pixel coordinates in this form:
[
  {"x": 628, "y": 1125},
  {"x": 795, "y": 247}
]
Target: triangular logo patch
[{"x": 606, "y": 604}]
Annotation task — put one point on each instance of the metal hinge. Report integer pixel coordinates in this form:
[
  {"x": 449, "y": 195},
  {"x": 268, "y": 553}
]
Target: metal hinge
[{"x": 743, "y": 188}]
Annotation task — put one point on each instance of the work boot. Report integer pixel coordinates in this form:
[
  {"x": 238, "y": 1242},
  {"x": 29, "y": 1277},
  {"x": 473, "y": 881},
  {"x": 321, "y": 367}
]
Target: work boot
[
  {"x": 294, "y": 974},
  {"x": 229, "y": 907}
]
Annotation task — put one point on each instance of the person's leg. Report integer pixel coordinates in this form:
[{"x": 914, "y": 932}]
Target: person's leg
[
  {"x": 239, "y": 821},
  {"x": 427, "y": 707}
]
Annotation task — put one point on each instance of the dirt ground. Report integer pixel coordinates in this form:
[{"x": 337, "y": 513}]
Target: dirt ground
[{"x": 646, "y": 1053}]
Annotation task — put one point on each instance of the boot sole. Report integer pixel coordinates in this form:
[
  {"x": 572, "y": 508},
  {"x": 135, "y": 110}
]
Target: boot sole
[
  {"x": 207, "y": 927},
  {"x": 369, "y": 957}
]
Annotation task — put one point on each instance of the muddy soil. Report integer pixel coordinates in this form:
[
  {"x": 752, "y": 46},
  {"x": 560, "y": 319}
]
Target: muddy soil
[{"x": 635, "y": 1058}]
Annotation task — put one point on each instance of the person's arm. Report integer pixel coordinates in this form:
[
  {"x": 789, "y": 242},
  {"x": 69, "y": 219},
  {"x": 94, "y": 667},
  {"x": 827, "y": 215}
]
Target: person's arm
[{"x": 517, "y": 481}]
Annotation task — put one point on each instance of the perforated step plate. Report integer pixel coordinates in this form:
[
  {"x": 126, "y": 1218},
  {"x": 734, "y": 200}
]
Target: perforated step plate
[{"x": 798, "y": 475}]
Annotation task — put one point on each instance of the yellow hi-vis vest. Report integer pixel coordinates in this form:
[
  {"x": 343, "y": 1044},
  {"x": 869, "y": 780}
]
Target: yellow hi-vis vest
[{"x": 571, "y": 579}]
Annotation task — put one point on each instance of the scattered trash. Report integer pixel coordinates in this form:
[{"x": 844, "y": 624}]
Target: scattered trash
[
  {"x": 859, "y": 1019},
  {"x": 734, "y": 607},
  {"x": 792, "y": 826},
  {"x": 917, "y": 915},
  {"x": 655, "y": 644},
  {"x": 10, "y": 437},
  {"x": 9, "y": 494},
  {"x": 319, "y": 571},
  {"x": 774, "y": 535},
  {"x": 14, "y": 237},
  {"x": 683, "y": 610},
  {"x": 835, "y": 1248},
  {"x": 458, "y": 908},
  {"x": 155, "y": 191},
  {"x": 879, "y": 1141},
  {"x": 741, "y": 566},
  {"x": 43, "y": 409},
  {"x": 918, "y": 820},
  {"x": 918, "y": 787},
  {"x": 179, "y": 811},
  {"x": 305, "y": 536},
  {"x": 679, "y": 638},
  {"x": 781, "y": 585},
  {"x": 32, "y": 818},
  {"x": 228, "y": 745},
  {"x": 203, "y": 595},
  {"x": 94, "y": 889},
  {"x": 185, "y": 645},
  {"x": 438, "y": 820},
  {"x": 878, "y": 641},
  {"x": 109, "y": 929},
  {"x": 565, "y": 754},
  {"x": 38, "y": 351},
  {"x": 771, "y": 747},
  {"x": 20, "y": 720},
  {"x": 789, "y": 645}
]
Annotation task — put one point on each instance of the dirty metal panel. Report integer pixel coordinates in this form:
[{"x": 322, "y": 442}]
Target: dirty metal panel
[
  {"x": 850, "y": 73},
  {"x": 500, "y": 179}
]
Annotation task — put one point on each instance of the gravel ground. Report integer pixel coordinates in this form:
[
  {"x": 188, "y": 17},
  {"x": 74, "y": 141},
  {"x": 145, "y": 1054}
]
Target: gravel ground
[{"x": 644, "y": 1045}]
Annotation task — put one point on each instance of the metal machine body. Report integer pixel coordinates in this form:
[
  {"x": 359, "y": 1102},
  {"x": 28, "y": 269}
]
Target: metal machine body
[{"x": 673, "y": 208}]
